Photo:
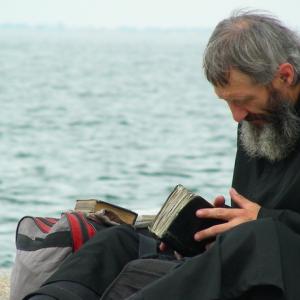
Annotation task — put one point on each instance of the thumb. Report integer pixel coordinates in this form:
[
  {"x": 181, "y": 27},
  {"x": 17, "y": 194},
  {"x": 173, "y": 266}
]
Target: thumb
[
  {"x": 219, "y": 201},
  {"x": 237, "y": 198}
]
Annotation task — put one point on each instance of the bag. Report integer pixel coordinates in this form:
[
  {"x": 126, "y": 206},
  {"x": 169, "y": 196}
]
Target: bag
[
  {"x": 42, "y": 245},
  {"x": 135, "y": 275}
]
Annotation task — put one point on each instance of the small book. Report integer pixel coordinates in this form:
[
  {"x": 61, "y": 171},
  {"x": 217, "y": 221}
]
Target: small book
[
  {"x": 93, "y": 205},
  {"x": 176, "y": 222}
]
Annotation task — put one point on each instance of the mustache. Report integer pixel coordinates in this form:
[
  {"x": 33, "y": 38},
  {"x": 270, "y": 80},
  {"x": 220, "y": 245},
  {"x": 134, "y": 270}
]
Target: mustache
[
  {"x": 259, "y": 117},
  {"x": 276, "y": 105},
  {"x": 270, "y": 114}
]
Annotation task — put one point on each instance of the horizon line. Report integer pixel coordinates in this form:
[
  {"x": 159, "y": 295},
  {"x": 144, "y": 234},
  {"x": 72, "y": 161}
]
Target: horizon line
[{"x": 62, "y": 26}]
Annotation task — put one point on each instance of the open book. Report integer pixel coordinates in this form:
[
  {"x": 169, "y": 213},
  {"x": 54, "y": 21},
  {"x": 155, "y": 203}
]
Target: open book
[{"x": 176, "y": 222}]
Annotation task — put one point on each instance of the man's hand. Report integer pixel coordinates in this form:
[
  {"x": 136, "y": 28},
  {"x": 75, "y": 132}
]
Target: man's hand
[
  {"x": 219, "y": 201},
  {"x": 247, "y": 211},
  {"x": 163, "y": 247}
]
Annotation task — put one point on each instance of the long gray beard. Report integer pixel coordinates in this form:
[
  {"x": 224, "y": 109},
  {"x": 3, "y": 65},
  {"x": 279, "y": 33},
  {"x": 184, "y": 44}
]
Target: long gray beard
[{"x": 275, "y": 140}]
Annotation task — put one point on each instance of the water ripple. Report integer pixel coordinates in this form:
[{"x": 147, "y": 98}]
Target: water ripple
[{"x": 118, "y": 116}]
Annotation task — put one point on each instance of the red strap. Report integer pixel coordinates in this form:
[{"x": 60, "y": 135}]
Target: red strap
[
  {"x": 90, "y": 228},
  {"x": 42, "y": 226},
  {"x": 76, "y": 232},
  {"x": 52, "y": 220}
]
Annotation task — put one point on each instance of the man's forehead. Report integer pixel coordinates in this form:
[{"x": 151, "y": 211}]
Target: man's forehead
[
  {"x": 239, "y": 85},
  {"x": 232, "y": 92}
]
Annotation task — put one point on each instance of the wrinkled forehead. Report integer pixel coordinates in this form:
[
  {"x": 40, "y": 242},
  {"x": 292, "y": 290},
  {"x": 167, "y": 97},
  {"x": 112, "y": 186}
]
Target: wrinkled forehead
[{"x": 238, "y": 85}]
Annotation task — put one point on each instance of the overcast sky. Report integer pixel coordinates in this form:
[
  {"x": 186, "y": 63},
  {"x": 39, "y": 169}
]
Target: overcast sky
[{"x": 139, "y": 13}]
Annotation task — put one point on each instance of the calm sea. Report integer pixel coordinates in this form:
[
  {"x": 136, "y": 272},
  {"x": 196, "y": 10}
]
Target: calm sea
[{"x": 121, "y": 116}]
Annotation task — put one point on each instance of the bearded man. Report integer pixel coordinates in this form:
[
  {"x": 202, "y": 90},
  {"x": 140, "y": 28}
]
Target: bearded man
[{"x": 253, "y": 63}]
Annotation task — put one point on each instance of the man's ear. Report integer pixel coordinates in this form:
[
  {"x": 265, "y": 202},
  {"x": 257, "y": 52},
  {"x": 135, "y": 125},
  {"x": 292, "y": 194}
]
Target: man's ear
[{"x": 285, "y": 75}]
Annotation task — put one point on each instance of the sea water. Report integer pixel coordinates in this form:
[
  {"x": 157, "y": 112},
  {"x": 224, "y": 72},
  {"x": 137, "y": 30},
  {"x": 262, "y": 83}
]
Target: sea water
[{"x": 118, "y": 115}]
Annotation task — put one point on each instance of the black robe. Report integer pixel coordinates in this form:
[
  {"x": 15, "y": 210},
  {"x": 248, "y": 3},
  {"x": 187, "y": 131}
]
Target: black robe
[{"x": 255, "y": 260}]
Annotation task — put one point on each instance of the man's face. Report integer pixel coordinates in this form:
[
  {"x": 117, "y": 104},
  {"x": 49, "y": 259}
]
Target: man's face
[
  {"x": 270, "y": 125},
  {"x": 244, "y": 98}
]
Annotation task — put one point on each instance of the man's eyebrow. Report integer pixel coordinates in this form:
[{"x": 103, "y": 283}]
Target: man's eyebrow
[{"x": 239, "y": 98}]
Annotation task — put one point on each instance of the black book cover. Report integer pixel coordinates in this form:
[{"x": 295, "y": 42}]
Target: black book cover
[{"x": 180, "y": 234}]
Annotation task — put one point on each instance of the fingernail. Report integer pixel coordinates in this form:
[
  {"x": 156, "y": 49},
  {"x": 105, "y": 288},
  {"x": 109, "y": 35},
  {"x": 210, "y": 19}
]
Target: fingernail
[
  {"x": 196, "y": 237},
  {"x": 199, "y": 213}
]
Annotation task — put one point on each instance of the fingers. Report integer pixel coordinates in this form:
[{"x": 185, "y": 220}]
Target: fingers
[
  {"x": 238, "y": 199},
  {"x": 252, "y": 207},
  {"x": 212, "y": 231},
  {"x": 209, "y": 245},
  {"x": 247, "y": 211},
  {"x": 219, "y": 213},
  {"x": 178, "y": 255},
  {"x": 162, "y": 247},
  {"x": 219, "y": 201}
]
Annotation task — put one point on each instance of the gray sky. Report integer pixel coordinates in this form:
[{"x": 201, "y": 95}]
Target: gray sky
[{"x": 138, "y": 13}]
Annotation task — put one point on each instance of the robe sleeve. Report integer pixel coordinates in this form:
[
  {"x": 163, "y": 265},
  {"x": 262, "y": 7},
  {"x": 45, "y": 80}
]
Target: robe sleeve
[{"x": 285, "y": 216}]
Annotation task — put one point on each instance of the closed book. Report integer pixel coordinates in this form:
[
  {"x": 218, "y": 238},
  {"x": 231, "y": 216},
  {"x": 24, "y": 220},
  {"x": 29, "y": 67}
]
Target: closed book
[
  {"x": 93, "y": 205},
  {"x": 176, "y": 223}
]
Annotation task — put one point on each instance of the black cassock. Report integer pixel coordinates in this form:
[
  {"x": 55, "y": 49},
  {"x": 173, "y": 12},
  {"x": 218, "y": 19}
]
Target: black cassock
[{"x": 255, "y": 260}]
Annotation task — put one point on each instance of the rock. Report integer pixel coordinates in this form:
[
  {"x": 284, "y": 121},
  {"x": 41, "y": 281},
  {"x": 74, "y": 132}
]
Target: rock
[{"x": 4, "y": 284}]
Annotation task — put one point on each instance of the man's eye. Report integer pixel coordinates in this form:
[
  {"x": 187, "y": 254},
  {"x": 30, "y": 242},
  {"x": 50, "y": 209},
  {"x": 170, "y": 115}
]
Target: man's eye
[
  {"x": 236, "y": 102},
  {"x": 241, "y": 102}
]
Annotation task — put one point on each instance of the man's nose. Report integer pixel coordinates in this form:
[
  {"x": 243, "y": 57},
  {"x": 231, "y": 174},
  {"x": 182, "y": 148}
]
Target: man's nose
[{"x": 238, "y": 113}]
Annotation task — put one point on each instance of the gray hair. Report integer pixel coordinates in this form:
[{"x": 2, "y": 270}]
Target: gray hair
[{"x": 252, "y": 42}]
